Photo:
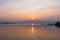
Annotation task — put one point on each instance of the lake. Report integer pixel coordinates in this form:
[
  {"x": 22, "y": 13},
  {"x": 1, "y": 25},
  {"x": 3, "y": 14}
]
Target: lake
[{"x": 29, "y": 32}]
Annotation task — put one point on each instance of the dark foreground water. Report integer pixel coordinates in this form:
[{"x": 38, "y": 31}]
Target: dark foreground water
[{"x": 20, "y": 32}]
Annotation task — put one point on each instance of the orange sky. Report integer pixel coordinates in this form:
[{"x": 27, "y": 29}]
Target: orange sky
[{"x": 29, "y": 16}]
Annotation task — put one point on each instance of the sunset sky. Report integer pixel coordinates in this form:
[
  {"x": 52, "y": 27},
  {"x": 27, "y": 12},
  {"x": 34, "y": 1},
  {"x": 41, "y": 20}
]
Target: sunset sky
[{"x": 29, "y": 9}]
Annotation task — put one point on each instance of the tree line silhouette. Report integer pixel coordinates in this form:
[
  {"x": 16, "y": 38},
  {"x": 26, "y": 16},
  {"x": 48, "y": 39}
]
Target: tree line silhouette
[{"x": 57, "y": 24}]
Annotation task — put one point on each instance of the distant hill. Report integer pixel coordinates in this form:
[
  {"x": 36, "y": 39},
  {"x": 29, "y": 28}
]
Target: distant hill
[
  {"x": 27, "y": 22},
  {"x": 35, "y": 22}
]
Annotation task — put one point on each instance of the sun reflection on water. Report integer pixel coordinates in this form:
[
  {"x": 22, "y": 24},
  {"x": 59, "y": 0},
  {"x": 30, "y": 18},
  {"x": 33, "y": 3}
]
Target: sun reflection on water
[{"x": 32, "y": 29}]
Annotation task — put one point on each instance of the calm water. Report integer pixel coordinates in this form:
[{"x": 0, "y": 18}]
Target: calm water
[{"x": 20, "y": 32}]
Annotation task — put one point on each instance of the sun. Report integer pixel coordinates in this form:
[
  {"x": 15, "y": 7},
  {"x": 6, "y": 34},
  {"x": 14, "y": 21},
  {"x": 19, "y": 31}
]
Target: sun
[{"x": 33, "y": 18}]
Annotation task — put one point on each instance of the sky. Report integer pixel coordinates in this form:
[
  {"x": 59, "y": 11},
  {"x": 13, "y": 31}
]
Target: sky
[{"x": 30, "y": 9}]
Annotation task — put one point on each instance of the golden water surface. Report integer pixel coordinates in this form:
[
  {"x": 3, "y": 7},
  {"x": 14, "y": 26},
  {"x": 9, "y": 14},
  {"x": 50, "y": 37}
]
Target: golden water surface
[{"x": 20, "y": 32}]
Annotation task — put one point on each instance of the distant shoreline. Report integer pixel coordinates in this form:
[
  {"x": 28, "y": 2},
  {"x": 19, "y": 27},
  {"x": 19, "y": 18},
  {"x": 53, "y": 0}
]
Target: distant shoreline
[{"x": 29, "y": 24}]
